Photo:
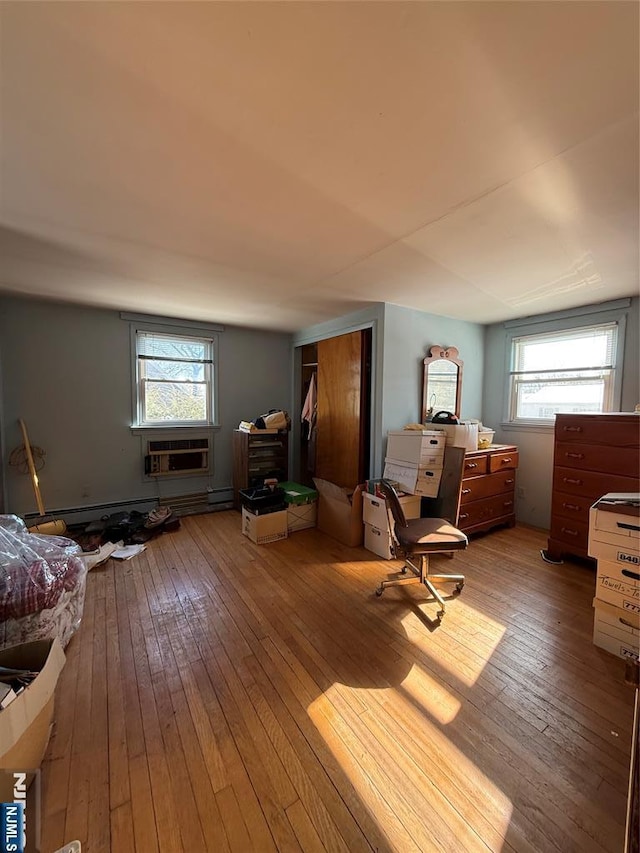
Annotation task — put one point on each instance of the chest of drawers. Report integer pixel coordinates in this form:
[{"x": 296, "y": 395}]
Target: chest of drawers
[
  {"x": 593, "y": 455},
  {"x": 488, "y": 488}
]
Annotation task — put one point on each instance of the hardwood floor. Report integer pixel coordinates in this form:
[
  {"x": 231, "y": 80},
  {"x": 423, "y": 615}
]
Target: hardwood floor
[{"x": 225, "y": 696}]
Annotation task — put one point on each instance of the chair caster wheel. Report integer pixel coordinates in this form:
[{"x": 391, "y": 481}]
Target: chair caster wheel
[
  {"x": 379, "y": 592},
  {"x": 403, "y": 570},
  {"x": 459, "y": 587}
]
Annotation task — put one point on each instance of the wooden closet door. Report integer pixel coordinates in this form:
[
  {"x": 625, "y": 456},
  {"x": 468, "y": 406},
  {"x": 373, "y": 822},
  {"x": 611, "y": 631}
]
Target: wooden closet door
[{"x": 339, "y": 445}]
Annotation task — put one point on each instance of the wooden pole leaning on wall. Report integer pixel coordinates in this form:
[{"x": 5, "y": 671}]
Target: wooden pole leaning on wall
[{"x": 51, "y": 528}]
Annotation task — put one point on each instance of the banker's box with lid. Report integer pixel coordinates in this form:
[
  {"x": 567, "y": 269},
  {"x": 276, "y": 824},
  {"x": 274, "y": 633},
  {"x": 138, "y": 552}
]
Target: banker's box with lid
[
  {"x": 263, "y": 529},
  {"x": 424, "y": 448}
]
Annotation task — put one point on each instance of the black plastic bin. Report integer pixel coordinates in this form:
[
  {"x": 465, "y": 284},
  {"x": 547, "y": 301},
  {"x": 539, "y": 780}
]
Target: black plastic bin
[{"x": 262, "y": 499}]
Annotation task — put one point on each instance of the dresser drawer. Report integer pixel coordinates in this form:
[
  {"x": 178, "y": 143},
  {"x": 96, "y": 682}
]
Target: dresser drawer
[
  {"x": 596, "y": 457},
  {"x": 503, "y": 461},
  {"x": 610, "y": 430},
  {"x": 491, "y": 509},
  {"x": 474, "y": 465},
  {"x": 574, "y": 533},
  {"x": 571, "y": 506},
  {"x": 591, "y": 483},
  {"x": 475, "y": 488}
]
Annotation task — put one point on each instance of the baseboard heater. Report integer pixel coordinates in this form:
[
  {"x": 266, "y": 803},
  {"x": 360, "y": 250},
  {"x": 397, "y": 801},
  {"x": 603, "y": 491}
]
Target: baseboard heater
[{"x": 177, "y": 457}]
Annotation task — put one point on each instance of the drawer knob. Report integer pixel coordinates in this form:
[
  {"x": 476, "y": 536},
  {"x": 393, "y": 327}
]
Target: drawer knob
[
  {"x": 572, "y": 429},
  {"x": 569, "y": 532},
  {"x": 505, "y": 461},
  {"x": 574, "y": 455},
  {"x": 508, "y": 503},
  {"x": 571, "y": 507},
  {"x": 509, "y": 481},
  {"x": 571, "y": 480},
  {"x": 466, "y": 491},
  {"x": 470, "y": 465},
  {"x": 463, "y": 515}
]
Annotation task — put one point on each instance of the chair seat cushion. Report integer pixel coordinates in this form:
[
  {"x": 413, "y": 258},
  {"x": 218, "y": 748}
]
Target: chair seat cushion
[{"x": 430, "y": 534}]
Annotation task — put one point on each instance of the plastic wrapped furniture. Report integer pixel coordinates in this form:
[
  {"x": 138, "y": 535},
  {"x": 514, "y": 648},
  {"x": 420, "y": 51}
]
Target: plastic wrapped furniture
[{"x": 42, "y": 585}]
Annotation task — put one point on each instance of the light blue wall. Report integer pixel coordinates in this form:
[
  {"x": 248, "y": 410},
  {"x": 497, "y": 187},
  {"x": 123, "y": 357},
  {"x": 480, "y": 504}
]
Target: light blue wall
[
  {"x": 67, "y": 373},
  {"x": 534, "y": 479},
  {"x": 407, "y": 337},
  {"x": 66, "y": 370}
]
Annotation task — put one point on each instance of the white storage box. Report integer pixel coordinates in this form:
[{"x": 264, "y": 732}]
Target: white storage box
[
  {"x": 262, "y": 529},
  {"x": 616, "y": 629},
  {"x": 618, "y": 584},
  {"x": 422, "y": 448},
  {"x": 460, "y": 435},
  {"x": 374, "y": 510},
  {"x": 614, "y": 520},
  {"x": 412, "y": 479},
  {"x": 301, "y": 516},
  {"x": 378, "y": 540},
  {"x": 613, "y": 553}
]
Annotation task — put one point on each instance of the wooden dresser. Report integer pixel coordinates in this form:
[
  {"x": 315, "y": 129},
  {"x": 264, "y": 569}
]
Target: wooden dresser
[
  {"x": 257, "y": 455},
  {"x": 488, "y": 488},
  {"x": 593, "y": 455}
]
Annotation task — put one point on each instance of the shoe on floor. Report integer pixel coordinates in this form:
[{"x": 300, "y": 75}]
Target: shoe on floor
[{"x": 157, "y": 517}]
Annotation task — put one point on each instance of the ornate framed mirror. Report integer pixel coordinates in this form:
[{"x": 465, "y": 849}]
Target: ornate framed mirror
[{"x": 441, "y": 382}]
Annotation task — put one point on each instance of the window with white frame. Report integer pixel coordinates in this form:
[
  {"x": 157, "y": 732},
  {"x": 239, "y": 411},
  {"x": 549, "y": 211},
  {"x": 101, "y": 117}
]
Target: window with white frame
[
  {"x": 563, "y": 371},
  {"x": 174, "y": 379}
]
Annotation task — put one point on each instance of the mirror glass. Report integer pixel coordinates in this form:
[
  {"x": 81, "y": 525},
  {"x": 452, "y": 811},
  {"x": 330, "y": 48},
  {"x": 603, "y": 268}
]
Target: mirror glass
[{"x": 441, "y": 382}]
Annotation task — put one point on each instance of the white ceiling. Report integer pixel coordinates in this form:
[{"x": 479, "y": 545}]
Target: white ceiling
[{"x": 277, "y": 164}]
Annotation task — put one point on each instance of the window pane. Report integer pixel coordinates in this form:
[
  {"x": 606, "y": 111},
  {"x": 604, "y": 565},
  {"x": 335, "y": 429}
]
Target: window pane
[
  {"x": 169, "y": 401},
  {"x": 536, "y": 400},
  {"x": 172, "y": 370},
  {"x": 587, "y": 347},
  {"x": 173, "y": 347}
]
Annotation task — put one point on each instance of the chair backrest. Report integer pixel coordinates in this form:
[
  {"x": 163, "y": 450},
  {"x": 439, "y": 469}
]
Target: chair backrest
[
  {"x": 447, "y": 504},
  {"x": 391, "y": 497}
]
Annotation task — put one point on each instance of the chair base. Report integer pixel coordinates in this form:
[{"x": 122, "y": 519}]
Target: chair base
[{"x": 421, "y": 575}]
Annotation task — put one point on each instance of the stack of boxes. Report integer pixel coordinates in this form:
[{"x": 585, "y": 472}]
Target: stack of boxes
[
  {"x": 614, "y": 540},
  {"x": 414, "y": 460},
  {"x": 377, "y": 525},
  {"x": 301, "y": 504},
  {"x": 413, "y": 465},
  {"x": 264, "y": 514}
]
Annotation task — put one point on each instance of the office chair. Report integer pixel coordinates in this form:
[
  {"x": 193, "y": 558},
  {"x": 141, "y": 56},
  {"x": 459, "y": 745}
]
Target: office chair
[{"x": 414, "y": 540}]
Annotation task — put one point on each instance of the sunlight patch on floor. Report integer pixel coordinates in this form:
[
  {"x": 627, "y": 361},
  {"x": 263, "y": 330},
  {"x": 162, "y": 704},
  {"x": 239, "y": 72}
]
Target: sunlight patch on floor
[
  {"x": 398, "y": 745},
  {"x": 464, "y": 662},
  {"x": 431, "y": 695}
]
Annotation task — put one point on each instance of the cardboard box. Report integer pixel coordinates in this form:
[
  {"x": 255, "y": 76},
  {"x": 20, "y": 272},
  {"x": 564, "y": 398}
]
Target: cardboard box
[
  {"x": 422, "y": 448},
  {"x": 25, "y": 724},
  {"x": 378, "y": 541},
  {"x": 460, "y": 435},
  {"x": 412, "y": 479},
  {"x": 616, "y": 629},
  {"x": 340, "y": 513},
  {"x": 618, "y": 585},
  {"x": 374, "y": 509},
  {"x": 263, "y": 529},
  {"x": 301, "y": 516}
]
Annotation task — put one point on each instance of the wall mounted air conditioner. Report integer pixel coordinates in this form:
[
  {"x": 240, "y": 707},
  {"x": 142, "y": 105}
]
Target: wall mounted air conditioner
[{"x": 177, "y": 457}]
